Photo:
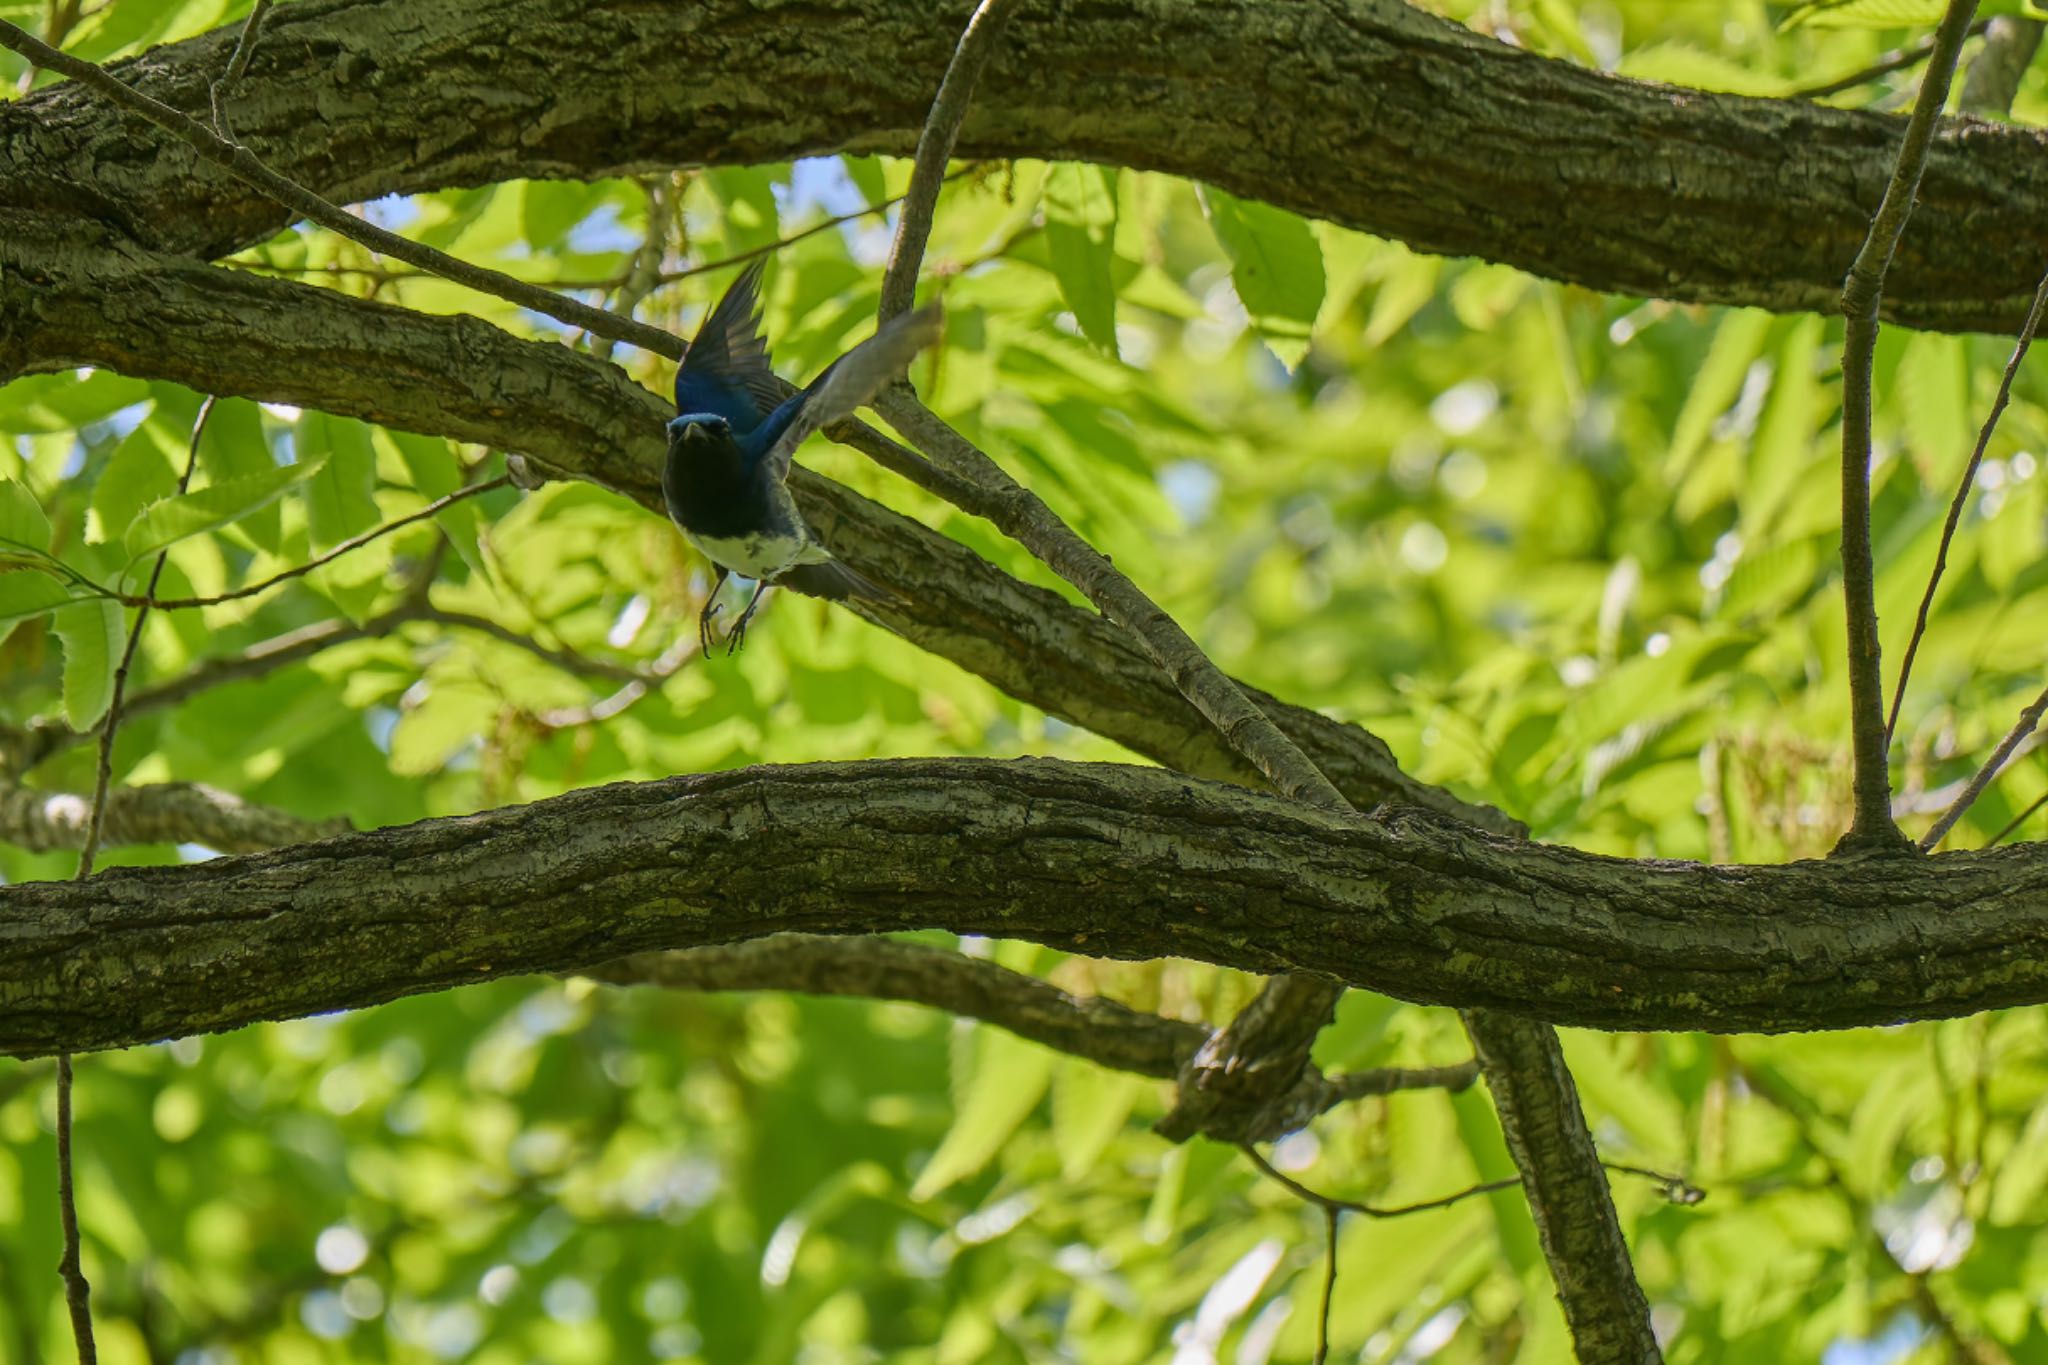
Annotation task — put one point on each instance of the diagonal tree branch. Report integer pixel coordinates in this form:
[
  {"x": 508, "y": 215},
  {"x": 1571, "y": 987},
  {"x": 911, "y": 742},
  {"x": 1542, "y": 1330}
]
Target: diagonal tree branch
[
  {"x": 1567, "y": 1188},
  {"x": 1962, "y": 498},
  {"x": 303, "y": 202},
  {"x": 234, "y": 333},
  {"x": 934, "y": 150}
]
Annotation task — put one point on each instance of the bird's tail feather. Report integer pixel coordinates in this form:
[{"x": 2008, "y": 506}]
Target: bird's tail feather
[{"x": 833, "y": 581}]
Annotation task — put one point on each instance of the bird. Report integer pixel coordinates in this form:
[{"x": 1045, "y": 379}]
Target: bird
[{"x": 729, "y": 446}]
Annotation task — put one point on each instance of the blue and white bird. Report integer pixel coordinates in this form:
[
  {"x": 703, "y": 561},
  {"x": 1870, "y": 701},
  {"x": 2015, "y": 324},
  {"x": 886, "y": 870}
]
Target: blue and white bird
[{"x": 730, "y": 443}]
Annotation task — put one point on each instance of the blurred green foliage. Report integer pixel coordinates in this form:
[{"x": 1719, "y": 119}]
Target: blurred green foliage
[{"x": 1570, "y": 553}]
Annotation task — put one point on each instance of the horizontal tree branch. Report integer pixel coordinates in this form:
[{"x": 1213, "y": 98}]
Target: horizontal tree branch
[
  {"x": 1092, "y": 858},
  {"x": 1418, "y": 130},
  {"x": 1100, "y": 1030},
  {"x": 86, "y": 300},
  {"x": 158, "y": 813}
]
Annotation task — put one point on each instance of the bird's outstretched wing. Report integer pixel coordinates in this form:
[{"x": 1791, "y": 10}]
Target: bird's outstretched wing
[
  {"x": 847, "y": 383},
  {"x": 726, "y": 369}
]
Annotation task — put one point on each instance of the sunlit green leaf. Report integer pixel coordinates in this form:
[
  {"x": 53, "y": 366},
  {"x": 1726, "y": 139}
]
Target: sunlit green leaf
[
  {"x": 189, "y": 514},
  {"x": 93, "y": 634},
  {"x": 1277, "y": 265},
  {"x": 1080, "y": 230}
]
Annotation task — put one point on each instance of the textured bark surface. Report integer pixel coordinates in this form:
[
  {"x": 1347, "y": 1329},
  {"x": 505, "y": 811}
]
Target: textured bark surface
[
  {"x": 1120, "y": 862},
  {"x": 1567, "y": 1190},
  {"x": 67, "y": 299},
  {"x": 1365, "y": 112}
]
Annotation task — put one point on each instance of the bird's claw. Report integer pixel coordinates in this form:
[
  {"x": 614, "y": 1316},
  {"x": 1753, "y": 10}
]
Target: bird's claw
[{"x": 705, "y": 637}]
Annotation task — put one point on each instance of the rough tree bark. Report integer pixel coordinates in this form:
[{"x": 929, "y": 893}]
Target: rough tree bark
[
  {"x": 1365, "y": 112},
  {"x": 1114, "y": 861}
]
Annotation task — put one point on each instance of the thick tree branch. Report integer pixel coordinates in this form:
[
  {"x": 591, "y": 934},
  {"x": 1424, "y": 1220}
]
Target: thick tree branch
[
  {"x": 89, "y": 300},
  {"x": 1407, "y": 904},
  {"x": 1420, "y": 131},
  {"x": 164, "y": 813},
  {"x": 1567, "y": 1188},
  {"x": 304, "y": 203}
]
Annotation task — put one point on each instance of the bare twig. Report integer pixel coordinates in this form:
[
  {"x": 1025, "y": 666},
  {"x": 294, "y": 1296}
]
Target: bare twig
[
  {"x": 1325, "y": 1201},
  {"x": 1862, "y": 292},
  {"x": 1883, "y": 66},
  {"x": 77, "y": 1291},
  {"x": 2023, "y": 727},
  {"x": 63, "y": 17},
  {"x": 245, "y": 165},
  {"x": 1955, "y": 507},
  {"x": 1331, "y": 1217},
  {"x": 934, "y": 149},
  {"x": 238, "y": 64},
  {"x": 387, "y": 274},
  {"x": 301, "y": 570},
  {"x": 2018, "y": 820}
]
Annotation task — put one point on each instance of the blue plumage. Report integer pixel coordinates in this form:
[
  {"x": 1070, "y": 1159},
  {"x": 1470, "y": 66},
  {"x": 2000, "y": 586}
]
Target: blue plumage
[{"x": 730, "y": 444}]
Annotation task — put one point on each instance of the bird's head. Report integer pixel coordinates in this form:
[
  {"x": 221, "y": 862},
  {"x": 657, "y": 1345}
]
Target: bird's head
[{"x": 693, "y": 427}]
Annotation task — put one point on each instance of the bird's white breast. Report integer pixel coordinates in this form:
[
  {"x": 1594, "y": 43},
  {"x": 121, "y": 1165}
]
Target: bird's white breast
[{"x": 750, "y": 556}]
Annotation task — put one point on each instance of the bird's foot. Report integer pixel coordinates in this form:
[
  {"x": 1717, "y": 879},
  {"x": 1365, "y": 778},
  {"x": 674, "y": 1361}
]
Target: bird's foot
[{"x": 705, "y": 636}]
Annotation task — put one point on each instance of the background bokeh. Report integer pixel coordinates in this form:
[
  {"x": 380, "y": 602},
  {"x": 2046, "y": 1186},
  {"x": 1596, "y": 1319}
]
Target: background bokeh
[{"x": 1568, "y": 553}]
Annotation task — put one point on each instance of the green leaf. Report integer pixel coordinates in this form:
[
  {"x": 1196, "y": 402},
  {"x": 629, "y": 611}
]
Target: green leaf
[
  {"x": 189, "y": 514},
  {"x": 1005, "y": 1078},
  {"x": 1715, "y": 386},
  {"x": 1089, "y": 1106},
  {"x": 93, "y": 634},
  {"x": 1080, "y": 234},
  {"x": 550, "y": 209},
  {"x": 746, "y": 200},
  {"x": 136, "y": 475},
  {"x": 25, "y": 593},
  {"x": 1277, "y": 265},
  {"x": 23, "y": 524},
  {"x": 341, "y": 497},
  {"x": 234, "y": 446}
]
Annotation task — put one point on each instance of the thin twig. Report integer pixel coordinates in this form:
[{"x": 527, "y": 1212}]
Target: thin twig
[
  {"x": 1326, "y": 1201},
  {"x": 64, "y": 16},
  {"x": 389, "y": 275},
  {"x": 1862, "y": 292},
  {"x": 934, "y": 149},
  {"x": 1676, "y": 1188},
  {"x": 1330, "y": 1219},
  {"x": 1955, "y": 507},
  {"x": 238, "y": 64},
  {"x": 2018, "y": 820},
  {"x": 1259, "y": 1055},
  {"x": 439, "y": 504},
  {"x": 77, "y": 1291},
  {"x": 2023, "y": 727},
  {"x": 245, "y": 165},
  {"x": 1883, "y": 66}
]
